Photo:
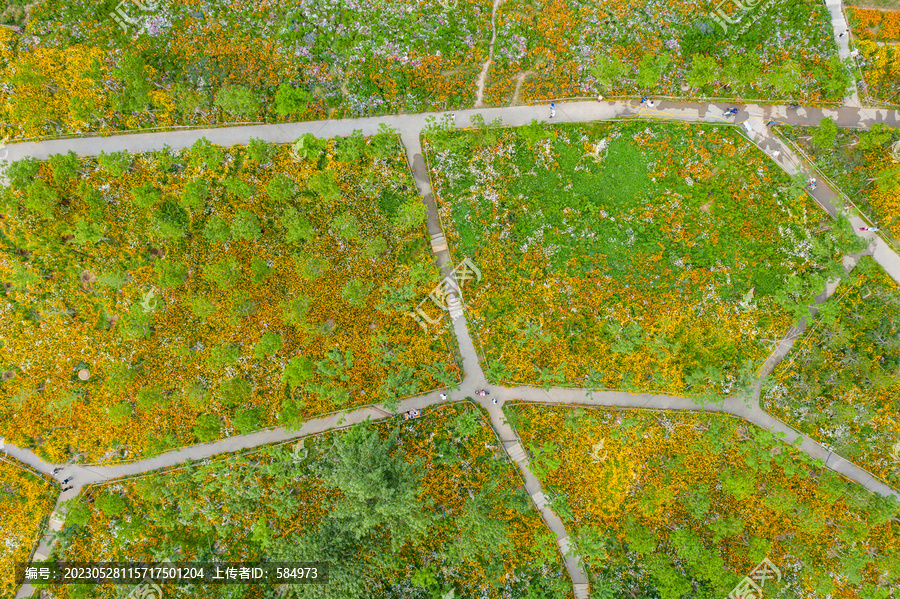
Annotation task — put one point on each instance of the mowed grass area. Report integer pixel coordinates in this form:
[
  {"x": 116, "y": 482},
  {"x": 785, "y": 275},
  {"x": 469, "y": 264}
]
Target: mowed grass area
[
  {"x": 429, "y": 507},
  {"x": 841, "y": 382},
  {"x": 678, "y": 505},
  {"x": 639, "y": 256}
]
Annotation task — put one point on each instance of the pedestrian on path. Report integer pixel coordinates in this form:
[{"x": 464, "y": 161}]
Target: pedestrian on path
[
  {"x": 68, "y": 479},
  {"x": 552, "y": 109},
  {"x": 846, "y": 31},
  {"x": 873, "y": 229},
  {"x": 854, "y": 54},
  {"x": 599, "y": 98},
  {"x": 812, "y": 184},
  {"x": 650, "y": 103},
  {"x": 776, "y": 154},
  {"x": 644, "y": 99},
  {"x": 770, "y": 123},
  {"x": 494, "y": 400},
  {"x": 443, "y": 396},
  {"x": 64, "y": 489},
  {"x": 56, "y": 470}
]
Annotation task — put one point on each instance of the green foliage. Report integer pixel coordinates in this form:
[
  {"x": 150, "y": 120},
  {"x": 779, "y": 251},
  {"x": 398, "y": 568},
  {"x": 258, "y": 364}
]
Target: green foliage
[
  {"x": 120, "y": 413},
  {"x": 195, "y": 194},
  {"x": 876, "y": 136},
  {"x": 268, "y": 344},
  {"x": 87, "y": 232},
  {"x": 64, "y": 167},
  {"x": 299, "y": 370},
  {"x": 110, "y": 504},
  {"x": 291, "y": 100},
  {"x": 740, "y": 484},
  {"x": 246, "y": 420},
  {"x": 310, "y": 266},
  {"x": 151, "y": 398},
  {"x": 41, "y": 199},
  {"x": 356, "y": 291},
  {"x": 466, "y": 424},
  {"x": 79, "y": 514},
  {"x": 345, "y": 226},
  {"x": 224, "y": 273},
  {"x": 207, "y": 428},
  {"x": 146, "y": 195},
  {"x": 224, "y": 355},
  {"x": 21, "y": 173},
  {"x": 171, "y": 274},
  {"x": 412, "y": 215},
  {"x": 351, "y": 148},
  {"x": 297, "y": 228},
  {"x": 116, "y": 163},
  {"x": 825, "y": 134},
  {"x": 260, "y": 271},
  {"x": 245, "y": 225},
  {"x": 704, "y": 70},
  {"x": 608, "y": 71},
  {"x": 216, "y": 230},
  {"x": 238, "y": 100},
  {"x": 235, "y": 391},
  {"x": 200, "y": 306},
  {"x": 281, "y": 189}
]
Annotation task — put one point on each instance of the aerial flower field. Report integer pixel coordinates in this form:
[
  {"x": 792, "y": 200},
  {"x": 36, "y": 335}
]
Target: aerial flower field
[
  {"x": 862, "y": 164},
  {"x": 429, "y": 507},
  {"x": 629, "y": 255},
  {"x": 99, "y": 66},
  {"x": 840, "y": 383},
  {"x": 26, "y": 499},
  {"x": 876, "y": 35},
  {"x": 780, "y": 49},
  {"x": 155, "y": 300},
  {"x": 669, "y": 505}
]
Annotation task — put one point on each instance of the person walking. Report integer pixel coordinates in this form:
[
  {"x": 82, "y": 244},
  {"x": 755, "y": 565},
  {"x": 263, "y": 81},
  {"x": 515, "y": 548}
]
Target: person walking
[
  {"x": 846, "y": 31},
  {"x": 443, "y": 396},
  {"x": 64, "y": 489},
  {"x": 770, "y": 123},
  {"x": 644, "y": 99},
  {"x": 812, "y": 184},
  {"x": 68, "y": 479},
  {"x": 650, "y": 103},
  {"x": 552, "y": 109},
  {"x": 494, "y": 400},
  {"x": 873, "y": 229}
]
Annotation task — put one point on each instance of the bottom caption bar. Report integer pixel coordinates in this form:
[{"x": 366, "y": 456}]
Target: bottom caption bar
[{"x": 168, "y": 572}]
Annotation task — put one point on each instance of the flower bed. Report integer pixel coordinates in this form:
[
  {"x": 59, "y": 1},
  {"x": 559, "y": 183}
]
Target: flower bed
[
  {"x": 192, "y": 62},
  {"x": 26, "y": 499},
  {"x": 633, "y": 256},
  {"x": 210, "y": 291},
  {"x": 779, "y": 50},
  {"x": 469, "y": 528},
  {"x": 839, "y": 384},
  {"x": 663, "y": 504},
  {"x": 860, "y": 162}
]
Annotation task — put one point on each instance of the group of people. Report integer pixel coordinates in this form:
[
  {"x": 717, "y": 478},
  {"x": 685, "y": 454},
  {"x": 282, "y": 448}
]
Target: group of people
[{"x": 56, "y": 471}]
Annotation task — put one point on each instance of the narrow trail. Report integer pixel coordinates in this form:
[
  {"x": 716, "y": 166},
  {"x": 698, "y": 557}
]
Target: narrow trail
[
  {"x": 410, "y": 128},
  {"x": 482, "y": 77}
]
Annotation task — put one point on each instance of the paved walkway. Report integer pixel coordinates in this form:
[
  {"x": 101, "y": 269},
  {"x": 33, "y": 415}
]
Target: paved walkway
[{"x": 410, "y": 127}]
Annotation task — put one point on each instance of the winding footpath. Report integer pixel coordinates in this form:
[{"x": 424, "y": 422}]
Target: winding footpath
[{"x": 752, "y": 119}]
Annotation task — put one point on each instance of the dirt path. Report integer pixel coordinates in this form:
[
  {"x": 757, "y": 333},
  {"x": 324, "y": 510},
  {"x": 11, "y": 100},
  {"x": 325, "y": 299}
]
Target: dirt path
[{"x": 479, "y": 84}]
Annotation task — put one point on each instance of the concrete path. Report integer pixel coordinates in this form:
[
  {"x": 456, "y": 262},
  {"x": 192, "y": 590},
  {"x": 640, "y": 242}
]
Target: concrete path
[
  {"x": 410, "y": 128},
  {"x": 840, "y": 26}
]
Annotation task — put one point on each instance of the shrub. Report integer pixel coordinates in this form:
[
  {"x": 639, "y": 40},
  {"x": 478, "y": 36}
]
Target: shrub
[
  {"x": 120, "y": 413},
  {"x": 171, "y": 274},
  {"x": 224, "y": 273},
  {"x": 224, "y": 355},
  {"x": 110, "y": 504},
  {"x": 298, "y": 371},
  {"x": 239, "y": 100},
  {"x": 268, "y": 344},
  {"x": 245, "y": 225},
  {"x": 246, "y": 420},
  {"x": 290, "y": 100},
  {"x": 216, "y": 230},
  {"x": 207, "y": 428},
  {"x": 235, "y": 391},
  {"x": 146, "y": 195},
  {"x": 297, "y": 227}
]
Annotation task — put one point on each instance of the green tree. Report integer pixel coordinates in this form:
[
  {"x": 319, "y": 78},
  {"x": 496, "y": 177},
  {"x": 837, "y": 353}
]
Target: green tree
[
  {"x": 299, "y": 370},
  {"x": 260, "y": 150},
  {"x": 246, "y": 225},
  {"x": 195, "y": 194},
  {"x": 235, "y": 391},
  {"x": 480, "y": 533},
  {"x": 151, "y": 398},
  {"x": 41, "y": 199},
  {"x": 88, "y": 233},
  {"x": 247, "y": 420},
  {"x": 238, "y": 100},
  {"x": 351, "y": 148},
  {"x": 876, "y": 136},
  {"x": 224, "y": 273},
  {"x": 171, "y": 274},
  {"x": 200, "y": 306},
  {"x": 64, "y": 167},
  {"x": 639, "y": 538},
  {"x": 260, "y": 271},
  {"x": 297, "y": 228},
  {"x": 345, "y": 226},
  {"x": 704, "y": 70},
  {"x": 740, "y": 484},
  {"x": 224, "y": 355},
  {"x": 110, "y": 504},
  {"x": 379, "y": 490},
  {"x": 411, "y": 215},
  {"x": 651, "y": 68},
  {"x": 291, "y": 100},
  {"x": 356, "y": 292},
  {"x": 216, "y": 230},
  {"x": 609, "y": 71},
  {"x": 116, "y": 163},
  {"x": 669, "y": 582},
  {"x": 146, "y": 195},
  {"x": 268, "y": 344},
  {"x": 825, "y": 135},
  {"x": 281, "y": 189},
  {"x": 207, "y": 428},
  {"x": 120, "y": 413},
  {"x": 135, "y": 92},
  {"x": 79, "y": 514}
]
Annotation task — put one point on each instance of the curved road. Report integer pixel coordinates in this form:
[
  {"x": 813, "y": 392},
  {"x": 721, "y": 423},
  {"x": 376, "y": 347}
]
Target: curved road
[{"x": 751, "y": 117}]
